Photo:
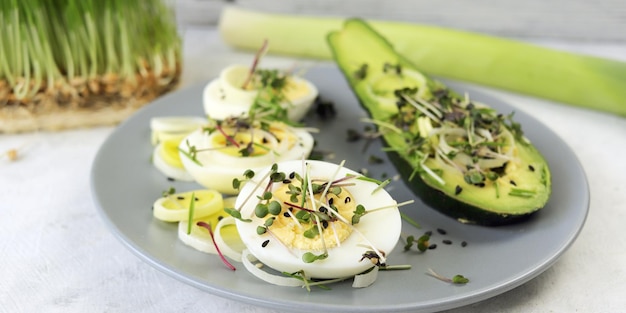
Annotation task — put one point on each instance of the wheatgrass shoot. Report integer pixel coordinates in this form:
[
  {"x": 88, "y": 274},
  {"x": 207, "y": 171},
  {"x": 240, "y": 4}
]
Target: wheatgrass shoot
[{"x": 84, "y": 53}]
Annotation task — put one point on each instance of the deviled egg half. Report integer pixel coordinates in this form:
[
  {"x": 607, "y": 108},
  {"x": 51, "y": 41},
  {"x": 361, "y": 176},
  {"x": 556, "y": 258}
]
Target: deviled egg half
[
  {"x": 318, "y": 219},
  {"x": 217, "y": 154},
  {"x": 235, "y": 91}
]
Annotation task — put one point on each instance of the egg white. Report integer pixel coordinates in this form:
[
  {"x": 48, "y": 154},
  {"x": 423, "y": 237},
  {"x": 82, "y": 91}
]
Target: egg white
[
  {"x": 380, "y": 229},
  {"x": 223, "y": 97},
  {"x": 217, "y": 169}
]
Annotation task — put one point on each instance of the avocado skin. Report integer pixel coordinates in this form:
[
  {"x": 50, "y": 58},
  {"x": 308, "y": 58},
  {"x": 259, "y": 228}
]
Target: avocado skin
[
  {"x": 437, "y": 199},
  {"x": 440, "y": 201}
]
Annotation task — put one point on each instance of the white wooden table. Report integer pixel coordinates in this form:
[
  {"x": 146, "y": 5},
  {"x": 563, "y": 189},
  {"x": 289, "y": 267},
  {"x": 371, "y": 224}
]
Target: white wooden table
[{"x": 58, "y": 256}]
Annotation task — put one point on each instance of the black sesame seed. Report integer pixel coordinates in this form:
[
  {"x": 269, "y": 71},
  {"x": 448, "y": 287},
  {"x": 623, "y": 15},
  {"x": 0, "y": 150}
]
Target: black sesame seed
[
  {"x": 446, "y": 241},
  {"x": 323, "y": 210},
  {"x": 180, "y": 198},
  {"x": 292, "y": 175},
  {"x": 347, "y": 200},
  {"x": 286, "y": 181},
  {"x": 331, "y": 201},
  {"x": 464, "y": 244},
  {"x": 219, "y": 218},
  {"x": 325, "y": 224},
  {"x": 432, "y": 246},
  {"x": 264, "y": 140},
  {"x": 513, "y": 183},
  {"x": 457, "y": 190},
  {"x": 170, "y": 179},
  {"x": 441, "y": 231},
  {"x": 429, "y": 233},
  {"x": 265, "y": 243},
  {"x": 196, "y": 199},
  {"x": 531, "y": 168},
  {"x": 286, "y": 214}
]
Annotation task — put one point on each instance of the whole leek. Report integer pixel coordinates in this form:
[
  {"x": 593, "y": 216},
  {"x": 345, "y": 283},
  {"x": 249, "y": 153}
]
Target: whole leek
[{"x": 581, "y": 80}]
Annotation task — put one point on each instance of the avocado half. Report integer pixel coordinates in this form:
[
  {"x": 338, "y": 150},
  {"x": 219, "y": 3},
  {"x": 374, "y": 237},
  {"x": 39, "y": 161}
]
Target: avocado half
[{"x": 461, "y": 157}]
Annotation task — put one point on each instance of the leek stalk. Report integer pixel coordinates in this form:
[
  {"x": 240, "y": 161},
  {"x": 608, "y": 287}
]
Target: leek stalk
[{"x": 581, "y": 80}]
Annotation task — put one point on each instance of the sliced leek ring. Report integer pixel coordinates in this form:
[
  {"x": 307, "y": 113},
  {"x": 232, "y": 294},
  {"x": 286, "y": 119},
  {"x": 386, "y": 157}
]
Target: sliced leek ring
[{"x": 175, "y": 208}]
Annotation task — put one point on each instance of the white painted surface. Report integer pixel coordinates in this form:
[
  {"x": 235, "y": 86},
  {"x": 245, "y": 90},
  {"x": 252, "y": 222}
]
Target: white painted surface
[{"x": 58, "y": 256}]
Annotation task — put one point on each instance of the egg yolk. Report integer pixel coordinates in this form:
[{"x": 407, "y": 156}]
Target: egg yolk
[
  {"x": 282, "y": 133},
  {"x": 295, "y": 90},
  {"x": 292, "y": 90},
  {"x": 243, "y": 139},
  {"x": 259, "y": 144},
  {"x": 292, "y": 232}
]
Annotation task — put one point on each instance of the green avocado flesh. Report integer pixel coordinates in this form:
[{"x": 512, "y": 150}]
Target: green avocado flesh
[{"x": 459, "y": 156}]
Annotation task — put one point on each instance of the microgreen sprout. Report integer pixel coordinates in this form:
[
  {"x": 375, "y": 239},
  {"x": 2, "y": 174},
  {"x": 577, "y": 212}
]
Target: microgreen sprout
[
  {"x": 300, "y": 275},
  {"x": 261, "y": 210},
  {"x": 358, "y": 213},
  {"x": 207, "y": 226},
  {"x": 191, "y": 152},
  {"x": 248, "y": 174},
  {"x": 255, "y": 63},
  {"x": 374, "y": 257},
  {"x": 274, "y": 207},
  {"x": 369, "y": 179},
  {"x": 422, "y": 242},
  {"x": 395, "y": 267},
  {"x": 236, "y": 214},
  {"x": 228, "y": 137},
  {"x": 168, "y": 192},
  {"x": 474, "y": 177},
  {"x": 381, "y": 185},
  {"x": 192, "y": 206},
  {"x": 410, "y": 220},
  {"x": 310, "y": 257},
  {"x": 456, "y": 279},
  {"x": 311, "y": 232}
]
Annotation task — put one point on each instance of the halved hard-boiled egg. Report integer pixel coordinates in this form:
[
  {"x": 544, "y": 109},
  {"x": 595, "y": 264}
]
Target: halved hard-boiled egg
[
  {"x": 235, "y": 91},
  {"x": 217, "y": 154},
  {"x": 318, "y": 219}
]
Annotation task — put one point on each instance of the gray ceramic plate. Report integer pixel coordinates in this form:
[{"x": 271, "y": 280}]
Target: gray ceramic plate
[{"x": 125, "y": 184}]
